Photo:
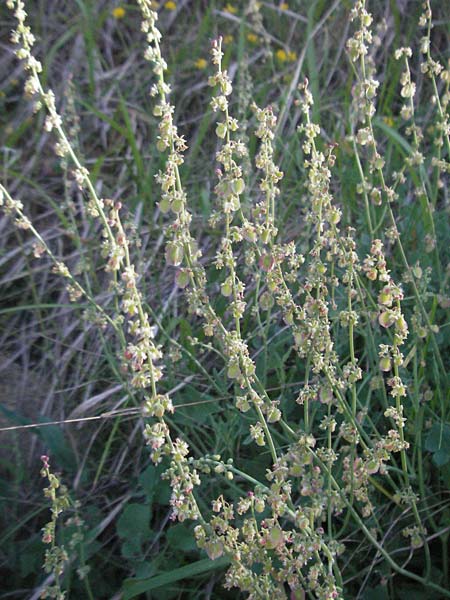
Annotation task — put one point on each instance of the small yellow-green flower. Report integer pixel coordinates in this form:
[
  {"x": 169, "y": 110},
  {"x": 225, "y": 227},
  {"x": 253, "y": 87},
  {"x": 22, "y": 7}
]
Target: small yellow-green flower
[
  {"x": 118, "y": 12},
  {"x": 201, "y": 63},
  {"x": 170, "y": 5},
  {"x": 284, "y": 6},
  {"x": 389, "y": 121},
  {"x": 229, "y": 8},
  {"x": 227, "y": 39},
  {"x": 252, "y": 38},
  {"x": 281, "y": 55},
  {"x": 292, "y": 56}
]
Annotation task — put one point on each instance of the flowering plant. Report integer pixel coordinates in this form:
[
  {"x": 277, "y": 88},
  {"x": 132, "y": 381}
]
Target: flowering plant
[{"x": 327, "y": 458}]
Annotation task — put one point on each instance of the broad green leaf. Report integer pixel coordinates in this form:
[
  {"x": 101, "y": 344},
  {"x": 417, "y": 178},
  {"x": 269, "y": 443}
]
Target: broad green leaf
[
  {"x": 134, "y": 522},
  {"x": 149, "y": 480},
  {"x": 378, "y": 593},
  {"x": 438, "y": 442},
  {"x": 181, "y": 537}
]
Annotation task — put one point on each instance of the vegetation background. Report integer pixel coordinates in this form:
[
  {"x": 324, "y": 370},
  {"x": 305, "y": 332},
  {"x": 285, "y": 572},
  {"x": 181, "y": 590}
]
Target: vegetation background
[{"x": 57, "y": 365}]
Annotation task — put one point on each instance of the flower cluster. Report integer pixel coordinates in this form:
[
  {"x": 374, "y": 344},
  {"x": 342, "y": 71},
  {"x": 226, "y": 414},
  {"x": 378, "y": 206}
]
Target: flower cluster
[
  {"x": 141, "y": 356},
  {"x": 281, "y": 532},
  {"x": 55, "y": 556}
]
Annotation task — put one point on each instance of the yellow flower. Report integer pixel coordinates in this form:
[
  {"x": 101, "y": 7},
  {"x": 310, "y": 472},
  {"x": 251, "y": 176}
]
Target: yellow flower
[
  {"x": 229, "y": 8},
  {"x": 389, "y": 121},
  {"x": 201, "y": 63},
  {"x": 118, "y": 12},
  {"x": 284, "y": 6},
  {"x": 227, "y": 39},
  {"x": 281, "y": 55},
  {"x": 292, "y": 56},
  {"x": 170, "y": 5},
  {"x": 252, "y": 38}
]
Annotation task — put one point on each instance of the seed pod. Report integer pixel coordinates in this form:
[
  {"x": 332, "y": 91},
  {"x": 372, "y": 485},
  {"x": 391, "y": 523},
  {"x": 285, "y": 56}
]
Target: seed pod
[
  {"x": 226, "y": 288},
  {"x": 385, "y": 297},
  {"x": 266, "y": 262},
  {"x": 266, "y": 301},
  {"x": 221, "y": 130},
  {"x": 174, "y": 253},
  {"x": 234, "y": 371},
  {"x": 214, "y": 549},
  {"x": 164, "y": 205},
  {"x": 386, "y": 319},
  {"x": 177, "y": 205},
  {"x": 385, "y": 364},
  {"x": 182, "y": 278},
  {"x": 275, "y": 538},
  {"x": 238, "y": 186},
  {"x": 372, "y": 466}
]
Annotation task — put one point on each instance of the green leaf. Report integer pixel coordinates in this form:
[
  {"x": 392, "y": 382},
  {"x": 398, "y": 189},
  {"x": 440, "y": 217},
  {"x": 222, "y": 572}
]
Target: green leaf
[
  {"x": 408, "y": 592},
  {"x": 378, "y": 593},
  {"x": 133, "y": 587},
  {"x": 145, "y": 569},
  {"x": 31, "y": 557},
  {"x": 181, "y": 537},
  {"x": 131, "y": 549},
  {"x": 441, "y": 458},
  {"x": 133, "y": 523},
  {"x": 133, "y": 528},
  {"x": 149, "y": 480},
  {"x": 199, "y": 408},
  {"x": 438, "y": 442}
]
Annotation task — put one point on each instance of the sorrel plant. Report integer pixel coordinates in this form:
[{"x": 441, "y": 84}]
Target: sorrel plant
[{"x": 343, "y": 447}]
